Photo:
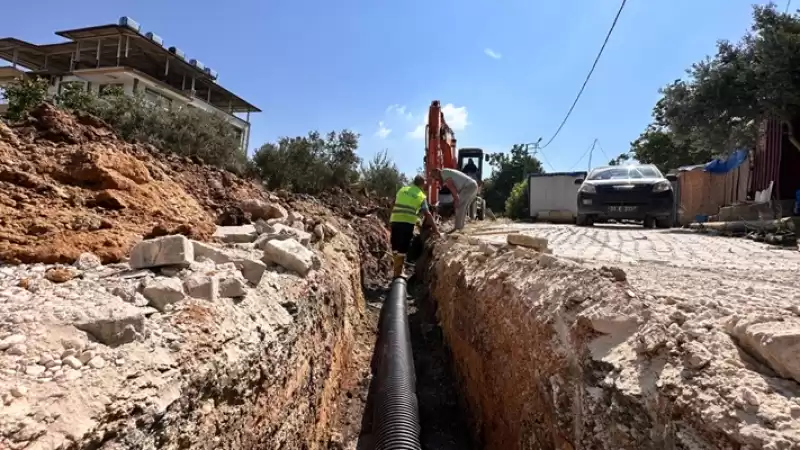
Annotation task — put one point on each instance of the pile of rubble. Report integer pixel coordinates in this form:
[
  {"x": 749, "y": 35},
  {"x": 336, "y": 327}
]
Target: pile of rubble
[{"x": 130, "y": 319}]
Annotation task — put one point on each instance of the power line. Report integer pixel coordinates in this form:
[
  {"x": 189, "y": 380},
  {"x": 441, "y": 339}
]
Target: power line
[
  {"x": 588, "y": 149},
  {"x": 788, "y": 3},
  {"x": 591, "y": 71},
  {"x": 603, "y": 151}
]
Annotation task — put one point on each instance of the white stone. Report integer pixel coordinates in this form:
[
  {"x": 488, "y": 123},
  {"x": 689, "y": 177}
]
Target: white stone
[
  {"x": 19, "y": 391},
  {"x": 202, "y": 250},
  {"x": 6, "y": 343},
  {"x": 162, "y": 251},
  {"x": 330, "y": 230},
  {"x": 236, "y": 234},
  {"x": 17, "y": 350},
  {"x": 231, "y": 287},
  {"x": 777, "y": 344},
  {"x": 88, "y": 261},
  {"x": 283, "y": 232},
  {"x": 35, "y": 370},
  {"x": 526, "y": 240},
  {"x": 263, "y": 227},
  {"x": 289, "y": 254},
  {"x": 72, "y": 362},
  {"x": 251, "y": 269},
  {"x": 202, "y": 286},
  {"x": 97, "y": 362},
  {"x": 163, "y": 292}
]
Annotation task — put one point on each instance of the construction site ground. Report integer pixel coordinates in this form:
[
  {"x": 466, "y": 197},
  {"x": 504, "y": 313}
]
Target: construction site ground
[{"x": 621, "y": 337}]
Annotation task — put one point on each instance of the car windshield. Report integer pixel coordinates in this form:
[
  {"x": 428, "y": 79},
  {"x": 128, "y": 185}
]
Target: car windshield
[{"x": 625, "y": 173}]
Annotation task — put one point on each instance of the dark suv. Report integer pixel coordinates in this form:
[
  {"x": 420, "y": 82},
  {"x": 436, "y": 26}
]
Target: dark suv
[{"x": 631, "y": 192}]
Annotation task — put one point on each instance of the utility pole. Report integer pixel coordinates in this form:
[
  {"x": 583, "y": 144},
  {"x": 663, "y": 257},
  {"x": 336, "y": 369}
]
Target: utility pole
[
  {"x": 535, "y": 146},
  {"x": 589, "y": 169}
]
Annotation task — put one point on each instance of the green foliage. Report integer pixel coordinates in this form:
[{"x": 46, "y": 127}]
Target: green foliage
[
  {"x": 381, "y": 176},
  {"x": 23, "y": 95},
  {"x": 508, "y": 169},
  {"x": 517, "y": 206},
  {"x": 73, "y": 96},
  {"x": 725, "y": 97},
  {"x": 185, "y": 131},
  {"x": 310, "y": 164}
]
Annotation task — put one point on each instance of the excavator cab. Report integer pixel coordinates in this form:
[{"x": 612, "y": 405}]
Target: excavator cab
[{"x": 470, "y": 162}]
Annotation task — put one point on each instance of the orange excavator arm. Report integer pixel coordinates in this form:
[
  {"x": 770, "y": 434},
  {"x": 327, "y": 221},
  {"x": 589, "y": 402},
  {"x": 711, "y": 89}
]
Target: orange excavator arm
[{"x": 440, "y": 149}]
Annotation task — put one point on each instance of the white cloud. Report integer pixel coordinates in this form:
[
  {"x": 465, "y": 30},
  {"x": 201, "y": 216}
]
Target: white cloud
[
  {"x": 456, "y": 117},
  {"x": 400, "y": 110},
  {"x": 492, "y": 54},
  {"x": 382, "y": 132}
]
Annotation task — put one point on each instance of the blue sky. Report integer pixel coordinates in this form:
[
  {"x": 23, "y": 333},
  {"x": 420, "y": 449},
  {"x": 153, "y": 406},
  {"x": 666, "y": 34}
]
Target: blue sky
[{"x": 507, "y": 69}]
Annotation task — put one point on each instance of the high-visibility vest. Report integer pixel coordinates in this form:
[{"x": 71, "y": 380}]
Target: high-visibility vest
[{"x": 406, "y": 205}]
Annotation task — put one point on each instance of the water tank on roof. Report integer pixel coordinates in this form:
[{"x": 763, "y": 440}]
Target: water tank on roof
[
  {"x": 154, "y": 37},
  {"x": 197, "y": 64},
  {"x": 130, "y": 23},
  {"x": 211, "y": 73},
  {"x": 177, "y": 52}
]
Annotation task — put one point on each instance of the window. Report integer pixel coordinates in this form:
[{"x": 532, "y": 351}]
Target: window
[{"x": 625, "y": 172}]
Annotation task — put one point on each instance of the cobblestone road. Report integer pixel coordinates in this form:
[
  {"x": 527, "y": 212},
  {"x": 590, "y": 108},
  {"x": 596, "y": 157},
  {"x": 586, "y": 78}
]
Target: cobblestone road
[{"x": 677, "y": 263}]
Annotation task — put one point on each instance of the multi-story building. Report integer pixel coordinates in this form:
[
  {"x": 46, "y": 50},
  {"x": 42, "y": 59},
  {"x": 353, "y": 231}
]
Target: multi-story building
[{"x": 122, "y": 55}]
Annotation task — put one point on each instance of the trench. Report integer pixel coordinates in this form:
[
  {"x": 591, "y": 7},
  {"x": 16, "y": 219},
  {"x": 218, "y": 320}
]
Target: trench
[{"x": 444, "y": 418}]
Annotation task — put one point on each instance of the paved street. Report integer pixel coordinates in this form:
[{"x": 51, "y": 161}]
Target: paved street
[{"x": 677, "y": 263}]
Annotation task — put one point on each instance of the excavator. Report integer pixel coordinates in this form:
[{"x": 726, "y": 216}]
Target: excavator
[{"x": 440, "y": 153}]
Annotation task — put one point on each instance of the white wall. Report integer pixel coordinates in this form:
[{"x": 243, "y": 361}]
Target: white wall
[{"x": 553, "y": 197}]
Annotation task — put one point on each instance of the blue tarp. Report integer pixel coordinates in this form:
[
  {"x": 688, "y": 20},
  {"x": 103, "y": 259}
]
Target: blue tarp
[{"x": 724, "y": 166}]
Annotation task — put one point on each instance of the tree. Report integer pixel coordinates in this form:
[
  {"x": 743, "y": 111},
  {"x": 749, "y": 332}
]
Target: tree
[
  {"x": 381, "y": 176},
  {"x": 309, "y": 164},
  {"x": 517, "y": 206},
  {"x": 508, "y": 169},
  {"x": 23, "y": 95},
  {"x": 725, "y": 98}
]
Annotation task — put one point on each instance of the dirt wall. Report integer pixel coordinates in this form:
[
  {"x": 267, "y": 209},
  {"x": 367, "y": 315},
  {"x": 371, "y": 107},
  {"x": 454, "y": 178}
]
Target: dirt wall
[{"x": 555, "y": 355}]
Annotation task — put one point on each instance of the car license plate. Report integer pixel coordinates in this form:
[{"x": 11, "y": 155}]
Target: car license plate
[{"x": 624, "y": 209}]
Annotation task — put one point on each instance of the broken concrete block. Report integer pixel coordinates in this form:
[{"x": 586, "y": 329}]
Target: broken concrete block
[
  {"x": 526, "y": 240},
  {"x": 202, "y": 250},
  {"x": 289, "y": 254},
  {"x": 252, "y": 270},
  {"x": 231, "y": 287},
  {"x": 776, "y": 344},
  {"x": 236, "y": 234},
  {"x": 162, "y": 251},
  {"x": 108, "y": 324},
  {"x": 203, "y": 287},
  {"x": 163, "y": 292}
]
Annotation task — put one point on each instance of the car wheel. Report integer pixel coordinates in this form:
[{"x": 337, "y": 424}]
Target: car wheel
[
  {"x": 649, "y": 222},
  {"x": 582, "y": 220},
  {"x": 663, "y": 223}
]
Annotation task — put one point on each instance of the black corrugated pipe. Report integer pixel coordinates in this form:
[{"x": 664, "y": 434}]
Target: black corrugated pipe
[{"x": 396, "y": 412}]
